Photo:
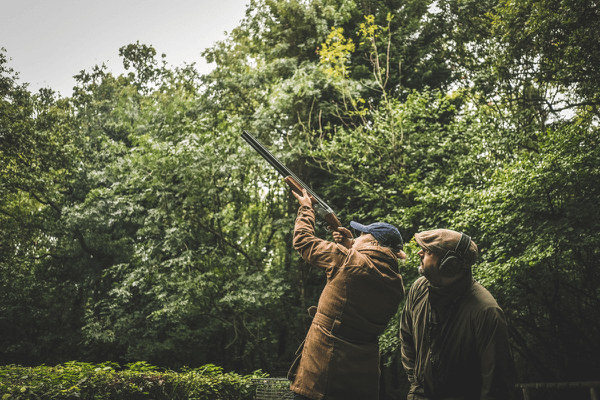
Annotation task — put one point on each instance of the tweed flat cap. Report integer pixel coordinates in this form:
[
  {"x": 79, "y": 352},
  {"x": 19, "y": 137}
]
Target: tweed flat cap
[{"x": 440, "y": 241}]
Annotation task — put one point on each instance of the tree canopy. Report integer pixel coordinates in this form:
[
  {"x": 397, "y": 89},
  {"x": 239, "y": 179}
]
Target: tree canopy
[{"x": 138, "y": 226}]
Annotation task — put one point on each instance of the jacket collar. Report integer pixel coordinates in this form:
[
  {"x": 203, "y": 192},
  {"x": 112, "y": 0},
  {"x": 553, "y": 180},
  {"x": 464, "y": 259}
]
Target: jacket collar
[
  {"x": 442, "y": 298},
  {"x": 381, "y": 255}
]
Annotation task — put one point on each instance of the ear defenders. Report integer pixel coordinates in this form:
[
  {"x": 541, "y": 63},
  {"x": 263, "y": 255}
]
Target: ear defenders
[{"x": 453, "y": 261}]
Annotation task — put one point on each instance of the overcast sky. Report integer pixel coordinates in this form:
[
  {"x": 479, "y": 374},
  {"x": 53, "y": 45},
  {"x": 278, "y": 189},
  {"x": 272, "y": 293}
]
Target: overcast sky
[{"x": 49, "y": 41}]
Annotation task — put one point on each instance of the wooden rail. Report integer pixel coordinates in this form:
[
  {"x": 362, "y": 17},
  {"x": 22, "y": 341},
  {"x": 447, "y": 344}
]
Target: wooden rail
[{"x": 592, "y": 385}]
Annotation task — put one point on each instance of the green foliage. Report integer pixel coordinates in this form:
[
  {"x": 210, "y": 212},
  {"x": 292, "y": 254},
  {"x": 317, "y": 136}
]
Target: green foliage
[
  {"x": 335, "y": 52},
  {"x": 149, "y": 236},
  {"x": 37, "y": 154},
  {"x": 389, "y": 341},
  {"x": 105, "y": 381},
  {"x": 190, "y": 272},
  {"x": 137, "y": 225},
  {"x": 539, "y": 220},
  {"x": 142, "y": 366},
  {"x": 400, "y": 165},
  {"x": 553, "y": 42}
]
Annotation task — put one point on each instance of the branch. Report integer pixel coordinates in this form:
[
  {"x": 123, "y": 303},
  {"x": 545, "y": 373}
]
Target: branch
[
  {"x": 47, "y": 202},
  {"x": 7, "y": 214},
  {"x": 53, "y": 256},
  {"x": 228, "y": 243},
  {"x": 530, "y": 355},
  {"x": 85, "y": 246}
]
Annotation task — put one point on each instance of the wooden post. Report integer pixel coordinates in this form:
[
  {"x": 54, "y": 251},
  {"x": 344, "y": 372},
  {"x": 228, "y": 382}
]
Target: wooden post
[
  {"x": 525, "y": 394},
  {"x": 593, "y": 393}
]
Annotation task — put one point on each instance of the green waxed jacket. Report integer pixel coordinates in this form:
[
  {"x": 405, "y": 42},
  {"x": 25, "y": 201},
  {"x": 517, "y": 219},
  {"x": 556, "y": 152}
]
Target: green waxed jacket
[
  {"x": 339, "y": 358},
  {"x": 455, "y": 343}
]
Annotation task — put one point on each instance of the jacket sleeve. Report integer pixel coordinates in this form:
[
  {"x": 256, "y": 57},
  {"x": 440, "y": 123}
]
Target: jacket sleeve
[
  {"x": 497, "y": 368},
  {"x": 318, "y": 252},
  {"x": 407, "y": 340}
]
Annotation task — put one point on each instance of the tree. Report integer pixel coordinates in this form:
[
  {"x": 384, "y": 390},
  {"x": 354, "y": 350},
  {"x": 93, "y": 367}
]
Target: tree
[
  {"x": 37, "y": 169},
  {"x": 136, "y": 221},
  {"x": 538, "y": 223},
  {"x": 551, "y": 42}
]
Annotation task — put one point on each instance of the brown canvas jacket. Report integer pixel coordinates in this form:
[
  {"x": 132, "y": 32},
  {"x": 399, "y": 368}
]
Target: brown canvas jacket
[
  {"x": 339, "y": 358},
  {"x": 455, "y": 343}
]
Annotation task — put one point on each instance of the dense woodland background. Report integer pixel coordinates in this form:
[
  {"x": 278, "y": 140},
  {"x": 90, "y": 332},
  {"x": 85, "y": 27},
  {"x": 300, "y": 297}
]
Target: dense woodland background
[{"x": 137, "y": 225}]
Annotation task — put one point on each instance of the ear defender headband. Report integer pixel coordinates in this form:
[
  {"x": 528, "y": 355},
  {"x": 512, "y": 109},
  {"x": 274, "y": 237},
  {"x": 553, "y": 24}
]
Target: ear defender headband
[{"x": 453, "y": 261}]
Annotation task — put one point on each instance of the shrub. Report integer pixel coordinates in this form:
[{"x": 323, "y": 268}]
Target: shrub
[{"x": 139, "y": 380}]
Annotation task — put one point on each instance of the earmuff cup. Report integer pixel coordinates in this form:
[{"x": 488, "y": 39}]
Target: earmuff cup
[{"x": 455, "y": 260}]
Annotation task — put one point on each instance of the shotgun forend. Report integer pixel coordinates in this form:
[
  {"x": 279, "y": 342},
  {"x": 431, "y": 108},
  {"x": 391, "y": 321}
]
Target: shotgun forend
[{"x": 294, "y": 182}]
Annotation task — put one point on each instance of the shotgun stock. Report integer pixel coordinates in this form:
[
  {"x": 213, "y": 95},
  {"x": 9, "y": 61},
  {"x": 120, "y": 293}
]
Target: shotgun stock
[{"x": 294, "y": 182}]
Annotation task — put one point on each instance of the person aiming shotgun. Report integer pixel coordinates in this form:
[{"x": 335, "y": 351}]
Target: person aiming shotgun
[{"x": 339, "y": 358}]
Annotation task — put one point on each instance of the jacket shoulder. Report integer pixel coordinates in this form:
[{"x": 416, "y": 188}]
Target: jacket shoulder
[
  {"x": 417, "y": 290},
  {"x": 483, "y": 297},
  {"x": 419, "y": 285}
]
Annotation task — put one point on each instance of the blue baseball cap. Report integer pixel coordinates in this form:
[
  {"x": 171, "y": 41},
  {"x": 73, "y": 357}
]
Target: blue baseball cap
[{"x": 386, "y": 234}]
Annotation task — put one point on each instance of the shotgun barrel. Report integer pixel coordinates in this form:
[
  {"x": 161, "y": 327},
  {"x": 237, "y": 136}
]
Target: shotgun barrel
[{"x": 293, "y": 181}]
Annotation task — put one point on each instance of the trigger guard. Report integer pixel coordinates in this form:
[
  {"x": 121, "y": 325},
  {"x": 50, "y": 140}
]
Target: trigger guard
[{"x": 324, "y": 225}]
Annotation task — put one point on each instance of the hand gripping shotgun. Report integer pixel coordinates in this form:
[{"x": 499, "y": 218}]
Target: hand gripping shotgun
[{"x": 294, "y": 182}]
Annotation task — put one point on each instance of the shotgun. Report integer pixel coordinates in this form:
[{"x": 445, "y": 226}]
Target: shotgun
[{"x": 294, "y": 182}]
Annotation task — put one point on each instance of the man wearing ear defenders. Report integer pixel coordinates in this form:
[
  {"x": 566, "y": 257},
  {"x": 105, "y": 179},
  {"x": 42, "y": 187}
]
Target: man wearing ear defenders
[{"x": 454, "y": 334}]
